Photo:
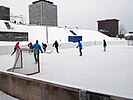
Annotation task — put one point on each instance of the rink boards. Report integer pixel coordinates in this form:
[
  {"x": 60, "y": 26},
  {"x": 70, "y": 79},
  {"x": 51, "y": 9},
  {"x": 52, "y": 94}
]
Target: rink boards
[{"x": 27, "y": 88}]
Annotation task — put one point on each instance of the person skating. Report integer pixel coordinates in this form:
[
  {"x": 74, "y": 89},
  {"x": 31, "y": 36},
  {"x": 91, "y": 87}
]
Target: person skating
[
  {"x": 80, "y": 47},
  {"x": 16, "y": 47},
  {"x": 37, "y": 48},
  {"x": 104, "y": 45},
  {"x": 30, "y": 47},
  {"x": 44, "y": 46},
  {"x": 56, "y": 45}
]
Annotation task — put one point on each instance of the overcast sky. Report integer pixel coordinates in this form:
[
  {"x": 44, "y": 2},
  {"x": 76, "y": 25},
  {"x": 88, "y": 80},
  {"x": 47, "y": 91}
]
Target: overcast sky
[{"x": 81, "y": 13}]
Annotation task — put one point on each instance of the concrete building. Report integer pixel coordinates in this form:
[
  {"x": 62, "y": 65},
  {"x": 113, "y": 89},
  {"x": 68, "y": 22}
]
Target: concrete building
[
  {"x": 43, "y": 12},
  {"x": 4, "y": 13},
  {"x": 108, "y": 27}
]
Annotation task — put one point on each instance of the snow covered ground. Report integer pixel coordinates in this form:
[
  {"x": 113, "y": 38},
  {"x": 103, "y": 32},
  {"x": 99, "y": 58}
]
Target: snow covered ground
[{"x": 107, "y": 72}]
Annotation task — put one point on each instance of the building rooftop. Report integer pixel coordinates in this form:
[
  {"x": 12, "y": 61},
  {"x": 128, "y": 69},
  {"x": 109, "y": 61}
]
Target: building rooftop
[
  {"x": 43, "y": 1},
  {"x": 108, "y": 20},
  {"x": 131, "y": 32}
]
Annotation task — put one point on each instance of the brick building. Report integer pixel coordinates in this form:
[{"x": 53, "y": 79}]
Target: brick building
[
  {"x": 4, "y": 13},
  {"x": 43, "y": 12},
  {"x": 108, "y": 27}
]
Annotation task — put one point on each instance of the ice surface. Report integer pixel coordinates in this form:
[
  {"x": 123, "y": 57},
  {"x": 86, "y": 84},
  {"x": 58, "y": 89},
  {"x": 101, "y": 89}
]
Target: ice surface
[{"x": 107, "y": 72}]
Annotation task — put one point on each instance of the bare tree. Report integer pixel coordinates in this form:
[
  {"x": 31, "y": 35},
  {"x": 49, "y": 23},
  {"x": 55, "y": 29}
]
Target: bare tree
[{"x": 122, "y": 31}]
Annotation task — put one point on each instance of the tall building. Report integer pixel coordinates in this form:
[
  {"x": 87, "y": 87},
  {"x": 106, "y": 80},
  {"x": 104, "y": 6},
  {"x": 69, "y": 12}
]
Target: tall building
[
  {"x": 108, "y": 27},
  {"x": 43, "y": 12},
  {"x": 4, "y": 13}
]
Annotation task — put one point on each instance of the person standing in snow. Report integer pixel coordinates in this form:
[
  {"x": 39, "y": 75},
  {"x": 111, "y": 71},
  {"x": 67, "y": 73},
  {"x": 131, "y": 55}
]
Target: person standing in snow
[
  {"x": 16, "y": 47},
  {"x": 56, "y": 45},
  {"x": 104, "y": 45},
  {"x": 80, "y": 47},
  {"x": 36, "y": 47}
]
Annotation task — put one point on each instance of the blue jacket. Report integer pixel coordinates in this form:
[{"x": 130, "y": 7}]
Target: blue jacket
[
  {"x": 36, "y": 48},
  {"x": 79, "y": 45}
]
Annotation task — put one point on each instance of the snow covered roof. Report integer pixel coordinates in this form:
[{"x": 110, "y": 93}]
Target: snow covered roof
[
  {"x": 129, "y": 34},
  {"x": 2, "y": 25},
  {"x": 6, "y": 26}
]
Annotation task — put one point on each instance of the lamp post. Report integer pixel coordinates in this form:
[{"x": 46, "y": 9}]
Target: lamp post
[
  {"x": 46, "y": 34},
  {"x": 46, "y": 25}
]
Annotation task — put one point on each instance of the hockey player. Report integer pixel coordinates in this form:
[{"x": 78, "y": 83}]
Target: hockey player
[
  {"x": 104, "y": 45},
  {"x": 44, "y": 46},
  {"x": 37, "y": 48},
  {"x": 56, "y": 45},
  {"x": 30, "y": 47},
  {"x": 80, "y": 47},
  {"x": 16, "y": 47}
]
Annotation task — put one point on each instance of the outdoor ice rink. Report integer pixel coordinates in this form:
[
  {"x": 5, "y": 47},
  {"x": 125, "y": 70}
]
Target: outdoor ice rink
[{"x": 109, "y": 72}]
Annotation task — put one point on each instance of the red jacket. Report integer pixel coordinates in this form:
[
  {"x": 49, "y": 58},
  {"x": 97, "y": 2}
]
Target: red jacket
[
  {"x": 30, "y": 45},
  {"x": 17, "y": 46}
]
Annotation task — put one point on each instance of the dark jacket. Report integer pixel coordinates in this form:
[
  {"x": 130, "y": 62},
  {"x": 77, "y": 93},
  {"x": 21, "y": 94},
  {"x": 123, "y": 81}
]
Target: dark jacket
[
  {"x": 104, "y": 43},
  {"x": 56, "y": 44},
  {"x": 44, "y": 45}
]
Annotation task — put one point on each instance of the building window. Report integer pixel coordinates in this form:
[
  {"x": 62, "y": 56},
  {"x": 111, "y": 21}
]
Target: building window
[{"x": 13, "y": 36}]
